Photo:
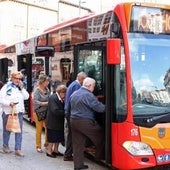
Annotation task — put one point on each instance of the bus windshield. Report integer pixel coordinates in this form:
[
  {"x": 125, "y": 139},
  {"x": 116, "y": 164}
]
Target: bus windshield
[{"x": 150, "y": 66}]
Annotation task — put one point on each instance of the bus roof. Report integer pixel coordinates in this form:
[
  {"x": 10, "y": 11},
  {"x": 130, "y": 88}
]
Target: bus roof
[
  {"x": 127, "y": 7},
  {"x": 69, "y": 22}
]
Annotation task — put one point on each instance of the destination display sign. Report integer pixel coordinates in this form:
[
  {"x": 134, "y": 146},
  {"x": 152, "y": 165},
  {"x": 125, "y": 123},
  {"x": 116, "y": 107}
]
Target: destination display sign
[{"x": 148, "y": 19}]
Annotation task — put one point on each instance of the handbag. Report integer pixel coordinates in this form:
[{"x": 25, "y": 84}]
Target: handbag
[
  {"x": 41, "y": 112},
  {"x": 13, "y": 124}
]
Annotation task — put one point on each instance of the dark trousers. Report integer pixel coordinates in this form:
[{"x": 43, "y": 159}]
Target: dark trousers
[
  {"x": 81, "y": 130},
  {"x": 68, "y": 144}
]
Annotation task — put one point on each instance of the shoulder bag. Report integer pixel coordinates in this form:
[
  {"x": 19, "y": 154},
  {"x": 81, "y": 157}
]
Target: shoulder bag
[{"x": 41, "y": 112}]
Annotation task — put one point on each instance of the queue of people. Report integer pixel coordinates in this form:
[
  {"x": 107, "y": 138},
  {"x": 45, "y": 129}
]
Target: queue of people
[{"x": 74, "y": 105}]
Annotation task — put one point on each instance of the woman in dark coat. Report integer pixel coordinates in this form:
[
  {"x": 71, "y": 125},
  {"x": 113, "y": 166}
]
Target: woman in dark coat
[{"x": 55, "y": 121}]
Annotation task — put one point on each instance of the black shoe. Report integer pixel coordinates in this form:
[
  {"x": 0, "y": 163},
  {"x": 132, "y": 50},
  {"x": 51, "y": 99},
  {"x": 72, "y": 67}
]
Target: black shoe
[
  {"x": 83, "y": 167},
  {"x": 51, "y": 155},
  {"x": 68, "y": 158},
  {"x": 57, "y": 154}
]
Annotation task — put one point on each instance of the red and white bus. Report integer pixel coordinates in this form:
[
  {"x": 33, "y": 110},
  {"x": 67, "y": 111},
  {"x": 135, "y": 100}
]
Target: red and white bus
[{"x": 127, "y": 51}]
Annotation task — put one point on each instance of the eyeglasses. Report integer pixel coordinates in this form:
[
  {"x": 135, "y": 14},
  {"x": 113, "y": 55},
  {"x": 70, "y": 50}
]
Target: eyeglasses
[{"x": 17, "y": 78}]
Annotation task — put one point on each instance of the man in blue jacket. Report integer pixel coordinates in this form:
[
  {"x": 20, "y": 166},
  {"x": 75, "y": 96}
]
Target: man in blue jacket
[
  {"x": 82, "y": 107},
  {"x": 75, "y": 85}
]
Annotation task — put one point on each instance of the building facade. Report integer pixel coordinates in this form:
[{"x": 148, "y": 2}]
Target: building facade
[{"x": 23, "y": 19}]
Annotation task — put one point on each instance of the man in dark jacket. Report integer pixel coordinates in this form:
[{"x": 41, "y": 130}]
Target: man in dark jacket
[
  {"x": 82, "y": 107},
  {"x": 75, "y": 85}
]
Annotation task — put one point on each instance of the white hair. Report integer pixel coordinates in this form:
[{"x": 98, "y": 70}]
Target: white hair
[
  {"x": 88, "y": 81},
  {"x": 81, "y": 74}
]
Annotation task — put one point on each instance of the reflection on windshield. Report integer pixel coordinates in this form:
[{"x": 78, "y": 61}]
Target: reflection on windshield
[{"x": 150, "y": 63}]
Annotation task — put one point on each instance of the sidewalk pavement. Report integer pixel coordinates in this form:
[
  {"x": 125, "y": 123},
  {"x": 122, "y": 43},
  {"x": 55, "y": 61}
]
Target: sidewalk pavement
[{"x": 32, "y": 159}]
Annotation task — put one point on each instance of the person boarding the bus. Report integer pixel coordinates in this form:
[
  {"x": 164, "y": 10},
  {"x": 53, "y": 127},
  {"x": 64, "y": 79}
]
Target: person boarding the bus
[
  {"x": 82, "y": 107},
  {"x": 13, "y": 94},
  {"x": 75, "y": 85}
]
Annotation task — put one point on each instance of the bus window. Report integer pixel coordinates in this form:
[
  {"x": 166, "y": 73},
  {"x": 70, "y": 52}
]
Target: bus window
[
  {"x": 90, "y": 61},
  {"x": 150, "y": 70},
  {"x": 121, "y": 93},
  {"x": 65, "y": 65},
  {"x": 38, "y": 67}
]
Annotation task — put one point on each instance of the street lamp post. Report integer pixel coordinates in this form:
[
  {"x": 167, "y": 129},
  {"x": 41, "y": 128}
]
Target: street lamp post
[{"x": 80, "y": 2}]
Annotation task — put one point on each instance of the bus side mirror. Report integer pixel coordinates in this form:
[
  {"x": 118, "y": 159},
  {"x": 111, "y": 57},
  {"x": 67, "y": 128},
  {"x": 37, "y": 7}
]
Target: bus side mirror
[{"x": 113, "y": 51}]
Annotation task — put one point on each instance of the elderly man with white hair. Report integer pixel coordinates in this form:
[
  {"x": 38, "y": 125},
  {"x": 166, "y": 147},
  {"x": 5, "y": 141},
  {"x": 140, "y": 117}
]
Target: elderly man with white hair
[{"x": 82, "y": 107}]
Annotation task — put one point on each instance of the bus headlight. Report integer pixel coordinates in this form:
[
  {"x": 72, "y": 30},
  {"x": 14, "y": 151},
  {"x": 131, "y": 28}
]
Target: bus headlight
[{"x": 137, "y": 148}]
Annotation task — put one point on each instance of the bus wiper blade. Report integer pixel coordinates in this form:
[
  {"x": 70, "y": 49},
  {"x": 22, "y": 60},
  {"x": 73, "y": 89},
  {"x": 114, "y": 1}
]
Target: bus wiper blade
[{"x": 153, "y": 120}]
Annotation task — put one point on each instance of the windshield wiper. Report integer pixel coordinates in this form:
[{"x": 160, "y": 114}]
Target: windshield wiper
[{"x": 151, "y": 121}]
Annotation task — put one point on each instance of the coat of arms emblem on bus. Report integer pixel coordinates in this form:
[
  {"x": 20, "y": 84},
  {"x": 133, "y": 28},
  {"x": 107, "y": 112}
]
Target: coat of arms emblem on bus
[{"x": 161, "y": 132}]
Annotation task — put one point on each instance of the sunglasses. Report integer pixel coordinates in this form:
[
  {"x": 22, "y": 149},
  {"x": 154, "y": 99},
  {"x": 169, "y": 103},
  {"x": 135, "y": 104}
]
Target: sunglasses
[{"x": 17, "y": 78}]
